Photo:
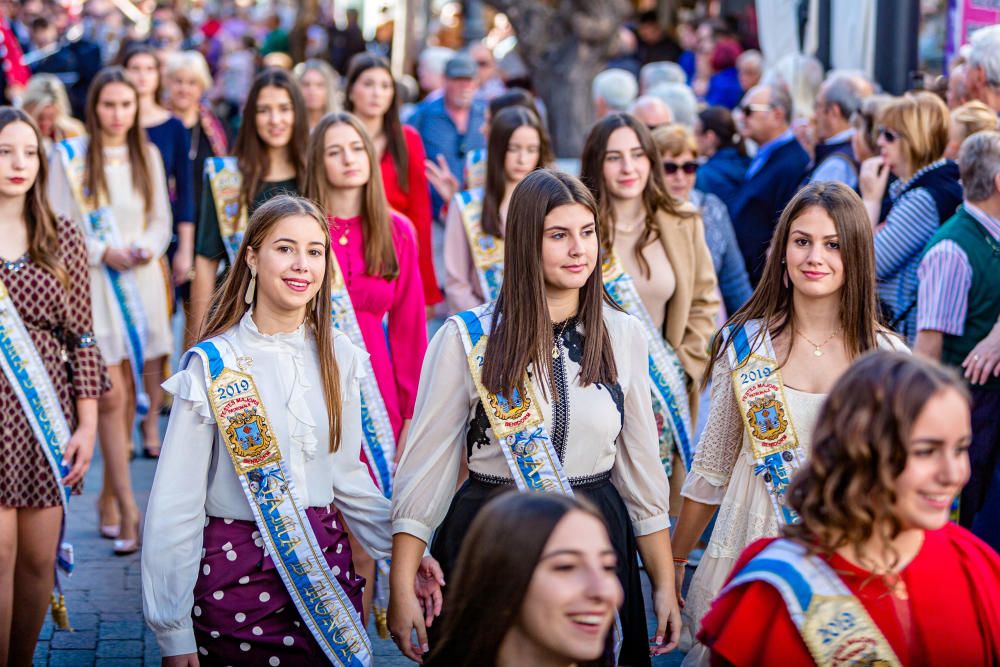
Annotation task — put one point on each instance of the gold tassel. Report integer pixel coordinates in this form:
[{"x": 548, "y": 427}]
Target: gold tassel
[
  {"x": 381, "y": 622},
  {"x": 60, "y": 615}
]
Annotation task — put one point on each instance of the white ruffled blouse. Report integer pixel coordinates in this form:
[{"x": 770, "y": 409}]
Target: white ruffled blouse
[{"x": 195, "y": 477}]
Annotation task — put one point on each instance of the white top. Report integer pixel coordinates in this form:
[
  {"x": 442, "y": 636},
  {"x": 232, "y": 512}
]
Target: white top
[
  {"x": 195, "y": 476},
  {"x": 600, "y": 428}
]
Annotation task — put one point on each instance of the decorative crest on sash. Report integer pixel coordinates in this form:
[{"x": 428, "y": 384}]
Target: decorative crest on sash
[
  {"x": 666, "y": 373},
  {"x": 487, "y": 250},
  {"x": 225, "y": 181}
]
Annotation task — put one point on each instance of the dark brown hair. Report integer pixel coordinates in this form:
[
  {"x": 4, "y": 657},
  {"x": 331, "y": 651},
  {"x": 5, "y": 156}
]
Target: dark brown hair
[
  {"x": 376, "y": 218},
  {"x": 496, "y": 563},
  {"x": 138, "y": 147},
  {"x": 252, "y": 152},
  {"x": 395, "y": 144},
  {"x": 229, "y": 306},
  {"x": 43, "y": 234},
  {"x": 655, "y": 197},
  {"x": 844, "y": 495},
  {"x": 772, "y": 300},
  {"x": 521, "y": 332},
  {"x": 502, "y": 128},
  {"x": 144, "y": 49}
]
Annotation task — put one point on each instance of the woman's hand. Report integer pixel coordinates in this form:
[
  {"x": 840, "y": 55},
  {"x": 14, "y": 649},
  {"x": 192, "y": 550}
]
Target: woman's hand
[
  {"x": 441, "y": 179},
  {"x": 668, "y": 622},
  {"x": 984, "y": 359},
  {"x": 119, "y": 259},
  {"x": 185, "y": 660},
  {"x": 680, "y": 571},
  {"x": 428, "y": 585},
  {"x": 141, "y": 255},
  {"x": 405, "y": 616},
  {"x": 78, "y": 454},
  {"x": 183, "y": 266},
  {"x": 872, "y": 179}
]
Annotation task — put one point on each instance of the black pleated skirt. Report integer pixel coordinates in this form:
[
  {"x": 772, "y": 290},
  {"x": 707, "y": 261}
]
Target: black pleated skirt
[{"x": 599, "y": 491}]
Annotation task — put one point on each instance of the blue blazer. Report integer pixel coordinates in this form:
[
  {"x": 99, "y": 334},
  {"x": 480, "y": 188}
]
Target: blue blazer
[{"x": 722, "y": 175}]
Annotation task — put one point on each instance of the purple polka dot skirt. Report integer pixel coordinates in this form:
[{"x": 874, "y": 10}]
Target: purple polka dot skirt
[{"x": 242, "y": 612}]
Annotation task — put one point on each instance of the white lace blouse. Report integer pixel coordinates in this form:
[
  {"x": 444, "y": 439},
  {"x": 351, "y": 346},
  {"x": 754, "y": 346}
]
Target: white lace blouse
[
  {"x": 596, "y": 429},
  {"x": 195, "y": 476}
]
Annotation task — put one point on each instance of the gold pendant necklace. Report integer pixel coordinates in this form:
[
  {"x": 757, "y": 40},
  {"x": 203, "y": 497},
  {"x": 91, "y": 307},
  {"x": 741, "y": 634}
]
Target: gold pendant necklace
[
  {"x": 817, "y": 351},
  {"x": 555, "y": 343}
]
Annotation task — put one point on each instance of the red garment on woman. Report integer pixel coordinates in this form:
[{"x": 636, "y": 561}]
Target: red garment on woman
[
  {"x": 415, "y": 204},
  {"x": 953, "y": 586}
]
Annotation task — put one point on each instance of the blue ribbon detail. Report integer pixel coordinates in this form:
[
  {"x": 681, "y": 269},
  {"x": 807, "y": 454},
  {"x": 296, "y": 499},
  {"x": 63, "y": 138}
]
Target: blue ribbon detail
[
  {"x": 215, "y": 363},
  {"x": 796, "y": 582},
  {"x": 473, "y": 325},
  {"x": 740, "y": 342}
]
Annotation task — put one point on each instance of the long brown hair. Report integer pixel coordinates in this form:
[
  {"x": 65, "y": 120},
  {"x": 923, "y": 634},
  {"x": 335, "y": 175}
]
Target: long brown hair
[
  {"x": 376, "y": 219},
  {"x": 229, "y": 306},
  {"x": 655, "y": 197},
  {"x": 251, "y": 151},
  {"x": 502, "y": 128},
  {"x": 94, "y": 183},
  {"x": 845, "y": 493},
  {"x": 43, "y": 234},
  {"x": 395, "y": 144},
  {"x": 772, "y": 300},
  {"x": 521, "y": 332},
  {"x": 143, "y": 49},
  {"x": 495, "y": 566}
]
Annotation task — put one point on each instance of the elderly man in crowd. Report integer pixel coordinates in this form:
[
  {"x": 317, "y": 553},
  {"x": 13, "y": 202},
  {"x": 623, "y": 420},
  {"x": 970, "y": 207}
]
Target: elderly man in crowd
[
  {"x": 681, "y": 100},
  {"x": 651, "y": 112},
  {"x": 654, "y": 74},
  {"x": 958, "y": 305},
  {"x": 750, "y": 68},
  {"x": 982, "y": 73},
  {"x": 839, "y": 98},
  {"x": 613, "y": 91}
]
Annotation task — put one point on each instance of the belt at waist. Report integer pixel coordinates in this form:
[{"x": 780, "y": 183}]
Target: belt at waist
[{"x": 587, "y": 481}]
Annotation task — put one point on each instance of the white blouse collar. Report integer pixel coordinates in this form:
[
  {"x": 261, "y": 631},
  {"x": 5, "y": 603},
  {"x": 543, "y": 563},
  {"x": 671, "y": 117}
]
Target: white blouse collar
[{"x": 291, "y": 338}]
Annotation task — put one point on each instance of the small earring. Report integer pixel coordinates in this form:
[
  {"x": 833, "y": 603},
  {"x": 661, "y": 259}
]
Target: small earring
[{"x": 251, "y": 288}]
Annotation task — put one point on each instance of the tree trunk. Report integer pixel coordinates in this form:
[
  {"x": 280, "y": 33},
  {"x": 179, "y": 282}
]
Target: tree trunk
[{"x": 565, "y": 43}]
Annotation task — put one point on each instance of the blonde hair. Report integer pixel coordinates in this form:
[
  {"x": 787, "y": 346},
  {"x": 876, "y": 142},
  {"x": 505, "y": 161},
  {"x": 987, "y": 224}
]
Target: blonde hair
[
  {"x": 921, "y": 121},
  {"x": 44, "y": 90},
  {"x": 674, "y": 140},
  {"x": 191, "y": 62},
  {"x": 974, "y": 117},
  {"x": 330, "y": 78}
]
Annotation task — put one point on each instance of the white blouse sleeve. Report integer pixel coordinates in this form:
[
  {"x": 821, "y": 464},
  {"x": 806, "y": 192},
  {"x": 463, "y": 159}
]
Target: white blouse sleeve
[
  {"x": 355, "y": 494},
  {"x": 64, "y": 205},
  {"x": 175, "y": 516},
  {"x": 638, "y": 474},
  {"x": 159, "y": 219},
  {"x": 428, "y": 470}
]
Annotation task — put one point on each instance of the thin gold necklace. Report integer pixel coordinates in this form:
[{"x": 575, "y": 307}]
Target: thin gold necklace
[
  {"x": 557, "y": 338},
  {"x": 817, "y": 351}
]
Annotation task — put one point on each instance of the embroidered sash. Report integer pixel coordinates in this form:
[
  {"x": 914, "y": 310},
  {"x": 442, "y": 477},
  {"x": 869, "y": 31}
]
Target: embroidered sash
[
  {"x": 517, "y": 423},
  {"x": 833, "y": 623},
  {"x": 103, "y": 228},
  {"x": 225, "y": 180},
  {"x": 475, "y": 169},
  {"x": 486, "y": 249},
  {"x": 278, "y": 511},
  {"x": 26, "y": 374},
  {"x": 666, "y": 373},
  {"x": 760, "y": 393}
]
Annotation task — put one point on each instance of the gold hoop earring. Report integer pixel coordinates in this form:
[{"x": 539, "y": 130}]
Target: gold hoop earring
[{"x": 251, "y": 288}]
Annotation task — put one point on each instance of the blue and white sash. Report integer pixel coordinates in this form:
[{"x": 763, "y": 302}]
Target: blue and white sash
[
  {"x": 517, "y": 422},
  {"x": 225, "y": 181},
  {"x": 833, "y": 623},
  {"x": 278, "y": 511},
  {"x": 666, "y": 373},
  {"x": 475, "y": 169},
  {"x": 486, "y": 249},
  {"x": 102, "y": 227},
  {"x": 26, "y": 374},
  {"x": 760, "y": 393}
]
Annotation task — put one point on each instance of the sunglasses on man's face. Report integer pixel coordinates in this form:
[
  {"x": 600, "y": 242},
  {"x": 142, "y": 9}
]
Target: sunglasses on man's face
[
  {"x": 687, "y": 167},
  {"x": 748, "y": 109},
  {"x": 889, "y": 135}
]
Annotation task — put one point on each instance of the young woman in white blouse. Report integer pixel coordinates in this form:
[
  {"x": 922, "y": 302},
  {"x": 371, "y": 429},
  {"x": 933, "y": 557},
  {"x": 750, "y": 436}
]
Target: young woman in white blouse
[
  {"x": 115, "y": 176},
  {"x": 813, "y": 313},
  {"x": 209, "y": 586},
  {"x": 572, "y": 364}
]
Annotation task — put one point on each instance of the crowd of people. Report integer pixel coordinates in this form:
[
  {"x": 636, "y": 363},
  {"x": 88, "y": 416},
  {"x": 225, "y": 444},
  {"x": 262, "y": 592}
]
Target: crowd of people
[{"x": 817, "y": 258}]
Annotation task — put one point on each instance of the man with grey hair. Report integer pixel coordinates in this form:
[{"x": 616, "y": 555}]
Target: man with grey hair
[
  {"x": 839, "y": 98},
  {"x": 958, "y": 306},
  {"x": 749, "y": 68},
  {"x": 653, "y": 74},
  {"x": 982, "y": 73},
  {"x": 651, "y": 111},
  {"x": 681, "y": 100},
  {"x": 773, "y": 176},
  {"x": 612, "y": 91}
]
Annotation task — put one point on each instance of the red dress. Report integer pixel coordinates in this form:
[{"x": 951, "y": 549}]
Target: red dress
[
  {"x": 59, "y": 322},
  {"x": 953, "y": 611},
  {"x": 415, "y": 204}
]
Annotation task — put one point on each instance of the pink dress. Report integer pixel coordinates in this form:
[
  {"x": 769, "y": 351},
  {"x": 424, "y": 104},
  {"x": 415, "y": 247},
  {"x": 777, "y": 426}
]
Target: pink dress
[{"x": 397, "y": 350}]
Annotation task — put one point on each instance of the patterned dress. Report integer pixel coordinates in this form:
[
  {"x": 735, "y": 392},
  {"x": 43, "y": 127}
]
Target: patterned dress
[{"x": 59, "y": 322}]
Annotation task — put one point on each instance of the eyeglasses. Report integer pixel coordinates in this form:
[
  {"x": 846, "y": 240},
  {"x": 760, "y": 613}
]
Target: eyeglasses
[
  {"x": 889, "y": 135},
  {"x": 748, "y": 109},
  {"x": 688, "y": 168},
  {"x": 482, "y": 63}
]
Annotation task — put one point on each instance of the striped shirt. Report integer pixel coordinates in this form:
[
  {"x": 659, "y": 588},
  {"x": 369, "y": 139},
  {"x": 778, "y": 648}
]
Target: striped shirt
[
  {"x": 911, "y": 222},
  {"x": 945, "y": 279}
]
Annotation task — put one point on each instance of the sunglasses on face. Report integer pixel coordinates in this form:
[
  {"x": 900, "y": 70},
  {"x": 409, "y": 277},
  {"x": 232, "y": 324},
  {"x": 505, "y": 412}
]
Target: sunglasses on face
[
  {"x": 687, "y": 167},
  {"x": 889, "y": 135},
  {"x": 748, "y": 109}
]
